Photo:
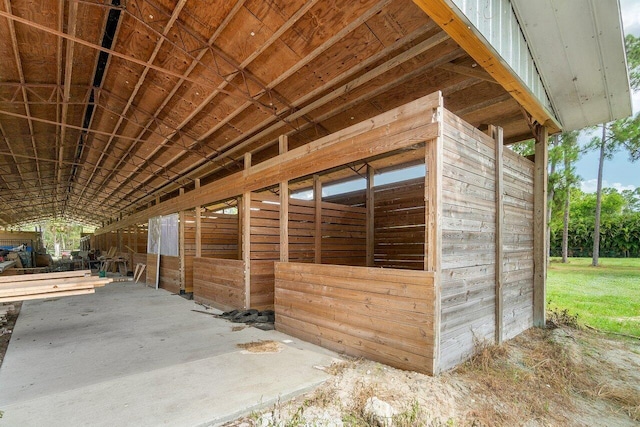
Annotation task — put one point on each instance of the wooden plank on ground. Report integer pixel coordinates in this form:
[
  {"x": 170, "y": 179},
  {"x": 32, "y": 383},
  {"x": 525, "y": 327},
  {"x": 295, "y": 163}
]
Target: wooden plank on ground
[
  {"x": 49, "y": 295},
  {"x": 46, "y": 276}
]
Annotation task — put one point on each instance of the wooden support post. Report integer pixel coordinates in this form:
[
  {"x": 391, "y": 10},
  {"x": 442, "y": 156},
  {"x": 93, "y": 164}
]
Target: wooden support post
[
  {"x": 284, "y": 208},
  {"x": 183, "y": 272},
  {"x": 540, "y": 227},
  {"x": 159, "y": 253},
  {"x": 136, "y": 231},
  {"x": 198, "y": 225},
  {"x": 496, "y": 134},
  {"x": 433, "y": 245},
  {"x": 132, "y": 248},
  {"x": 129, "y": 237},
  {"x": 317, "y": 198},
  {"x": 370, "y": 225},
  {"x": 240, "y": 224},
  {"x": 246, "y": 237}
]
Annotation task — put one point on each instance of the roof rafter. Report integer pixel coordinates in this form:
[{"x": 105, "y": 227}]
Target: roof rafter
[
  {"x": 227, "y": 80},
  {"x": 330, "y": 42},
  {"x": 236, "y": 145},
  {"x": 16, "y": 51}
]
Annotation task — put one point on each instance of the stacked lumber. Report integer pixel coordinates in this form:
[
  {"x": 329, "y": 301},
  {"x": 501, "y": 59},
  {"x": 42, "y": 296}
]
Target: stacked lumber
[{"x": 49, "y": 285}]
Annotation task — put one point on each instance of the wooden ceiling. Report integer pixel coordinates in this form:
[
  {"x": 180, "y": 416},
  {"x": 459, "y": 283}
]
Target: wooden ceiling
[{"x": 108, "y": 105}]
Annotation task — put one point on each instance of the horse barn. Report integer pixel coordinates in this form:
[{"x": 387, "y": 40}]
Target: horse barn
[{"x": 346, "y": 164}]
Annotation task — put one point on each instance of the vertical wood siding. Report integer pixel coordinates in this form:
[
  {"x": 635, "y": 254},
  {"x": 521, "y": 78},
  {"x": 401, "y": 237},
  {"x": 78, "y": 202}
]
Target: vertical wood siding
[
  {"x": 518, "y": 244},
  {"x": 468, "y": 240}
]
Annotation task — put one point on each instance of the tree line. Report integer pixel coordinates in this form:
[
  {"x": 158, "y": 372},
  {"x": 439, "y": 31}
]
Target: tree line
[
  {"x": 619, "y": 225},
  {"x": 607, "y": 222}
]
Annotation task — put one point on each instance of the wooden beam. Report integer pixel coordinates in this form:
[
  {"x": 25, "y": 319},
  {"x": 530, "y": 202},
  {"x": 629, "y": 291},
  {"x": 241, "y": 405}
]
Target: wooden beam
[
  {"x": 399, "y": 128},
  {"x": 433, "y": 245},
  {"x": 240, "y": 207},
  {"x": 497, "y": 134},
  {"x": 442, "y": 13},
  {"x": 18, "y": 60},
  {"x": 198, "y": 225},
  {"x": 540, "y": 227},
  {"x": 370, "y": 222},
  {"x": 284, "y": 207},
  {"x": 317, "y": 199},
  {"x": 68, "y": 71},
  {"x": 246, "y": 235},
  {"x": 135, "y": 237},
  {"x": 477, "y": 73},
  {"x": 159, "y": 252}
]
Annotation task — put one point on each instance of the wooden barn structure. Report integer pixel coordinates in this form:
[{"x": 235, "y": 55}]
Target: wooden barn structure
[{"x": 343, "y": 163}]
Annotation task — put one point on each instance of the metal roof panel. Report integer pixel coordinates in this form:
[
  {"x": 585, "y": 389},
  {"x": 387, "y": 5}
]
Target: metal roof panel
[{"x": 578, "y": 48}]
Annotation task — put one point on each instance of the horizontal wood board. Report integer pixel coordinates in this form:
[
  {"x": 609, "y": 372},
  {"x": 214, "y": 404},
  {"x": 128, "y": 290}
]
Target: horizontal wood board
[
  {"x": 219, "y": 282},
  {"x": 399, "y": 225},
  {"x": 169, "y": 272},
  {"x": 382, "y": 314},
  {"x": 218, "y": 234}
]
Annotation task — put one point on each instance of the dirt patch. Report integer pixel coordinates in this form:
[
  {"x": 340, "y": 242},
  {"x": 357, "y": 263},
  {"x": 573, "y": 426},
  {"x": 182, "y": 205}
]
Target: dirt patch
[
  {"x": 261, "y": 347},
  {"x": 551, "y": 377},
  {"x": 7, "y": 329}
]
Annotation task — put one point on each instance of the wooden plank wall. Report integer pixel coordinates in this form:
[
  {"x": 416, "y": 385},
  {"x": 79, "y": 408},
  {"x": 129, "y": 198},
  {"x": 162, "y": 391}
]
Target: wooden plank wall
[
  {"x": 265, "y": 248},
  {"x": 344, "y": 233},
  {"x": 518, "y": 244},
  {"x": 142, "y": 235},
  {"x": 219, "y": 234},
  {"x": 468, "y": 241},
  {"x": 219, "y": 239},
  {"x": 382, "y": 314},
  {"x": 169, "y": 272},
  {"x": 343, "y": 239},
  {"x": 218, "y": 282},
  {"x": 399, "y": 222},
  {"x": 262, "y": 284},
  {"x": 399, "y": 225},
  {"x": 265, "y": 227},
  {"x": 302, "y": 230}
]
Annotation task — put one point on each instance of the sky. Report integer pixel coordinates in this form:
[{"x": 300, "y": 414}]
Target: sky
[{"x": 619, "y": 172}]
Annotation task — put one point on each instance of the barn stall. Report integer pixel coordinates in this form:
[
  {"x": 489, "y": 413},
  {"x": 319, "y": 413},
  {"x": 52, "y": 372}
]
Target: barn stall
[{"x": 412, "y": 272}]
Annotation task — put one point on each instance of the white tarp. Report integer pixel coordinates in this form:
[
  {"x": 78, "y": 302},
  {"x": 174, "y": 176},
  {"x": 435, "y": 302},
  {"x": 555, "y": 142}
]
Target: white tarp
[{"x": 163, "y": 229}]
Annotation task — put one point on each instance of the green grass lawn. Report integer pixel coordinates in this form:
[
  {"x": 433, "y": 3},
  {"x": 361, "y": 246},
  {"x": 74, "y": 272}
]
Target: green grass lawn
[{"x": 606, "y": 297}]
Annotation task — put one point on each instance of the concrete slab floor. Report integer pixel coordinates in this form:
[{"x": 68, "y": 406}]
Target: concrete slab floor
[{"x": 131, "y": 355}]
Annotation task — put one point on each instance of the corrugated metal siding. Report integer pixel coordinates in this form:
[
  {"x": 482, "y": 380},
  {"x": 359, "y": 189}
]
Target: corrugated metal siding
[{"x": 497, "y": 22}]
